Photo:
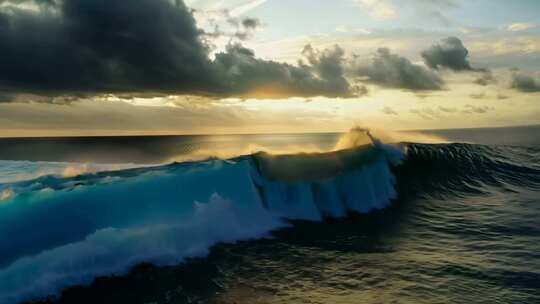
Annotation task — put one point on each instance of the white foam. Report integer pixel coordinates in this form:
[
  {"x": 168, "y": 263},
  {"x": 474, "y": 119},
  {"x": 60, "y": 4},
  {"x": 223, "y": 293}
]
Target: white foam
[
  {"x": 113, "y": 251},
  {"x": 164, "y": 216}
]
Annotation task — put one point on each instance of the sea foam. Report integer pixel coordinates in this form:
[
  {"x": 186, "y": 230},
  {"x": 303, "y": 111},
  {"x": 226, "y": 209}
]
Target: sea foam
[{"x": 57, "y": 232}]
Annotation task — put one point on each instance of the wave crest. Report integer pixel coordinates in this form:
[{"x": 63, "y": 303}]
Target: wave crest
[
  {"x": 168, "y": 213},
  {"x": 117, "y": 219}
]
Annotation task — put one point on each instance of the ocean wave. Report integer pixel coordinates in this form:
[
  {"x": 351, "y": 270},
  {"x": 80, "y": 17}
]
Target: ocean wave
[
  {"x": 59, "y": 231},
  {"x": 17, "y": 170},
  {"x": 451, "y": 169},
  {"x": 62, "y": 231}
]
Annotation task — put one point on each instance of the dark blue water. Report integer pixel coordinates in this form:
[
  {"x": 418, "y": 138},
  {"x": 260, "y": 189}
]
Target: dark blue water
[{"x": 450, "y": 223}]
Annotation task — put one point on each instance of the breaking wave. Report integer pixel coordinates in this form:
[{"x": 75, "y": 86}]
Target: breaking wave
[{"x": 62, "y": 231}]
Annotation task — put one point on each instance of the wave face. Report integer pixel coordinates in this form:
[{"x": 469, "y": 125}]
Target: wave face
[
  {"x": 454, "y": 169},
  {"x": 57, "y": 231}
]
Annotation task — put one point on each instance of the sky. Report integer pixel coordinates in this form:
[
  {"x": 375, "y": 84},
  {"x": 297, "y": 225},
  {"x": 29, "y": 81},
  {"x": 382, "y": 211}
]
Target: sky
[{"x": 114, "y": 67}]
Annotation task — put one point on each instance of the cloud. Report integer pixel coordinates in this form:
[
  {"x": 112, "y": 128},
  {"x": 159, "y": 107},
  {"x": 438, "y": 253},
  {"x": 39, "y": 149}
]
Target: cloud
[
  {"x": 389, "y": 111},
  {"x": 390, "y": 70},
  {"x": 434, "y": 11},
  {"x": 360, "y": 90},
  {"x": 354, "y": 30},
  {"x": 439, "y": 18},
  {"x": 328, "y": 66},
  {"x": 247, "y": 76},
  {"x": 485, "y": 79},
  {"x": 508, "y": 45},
  {"x": 427, "y": 113},
  {"x": 81, "y": 47},
  {"x": 516, "y": 27},
  {"x": 235, "y": 8},
  {"x": 246, "y": 6},
  {"x": 87, "y": 47},
  {"x": 25, "y": 5},
  {"x": 448, "y": 109},
  {"x": 244, "y": 28},
  {"x": 251, "y": 23},
  {"x": 218, "y": 24},
  {"x": 475, "y": 30},
  {"x": 6, "y": 97},
  {"x": 430, "y": 113},
  {"x": 525, "y": 83},
  {"x": 449, "y": 53},
  {"x": 443, "y": 4},
  {"x": 501, "y": 96},
  {"x": 377, "y": 9},
  {"x": 471, "y": 109},
  {"x": 478, "y": 95}
]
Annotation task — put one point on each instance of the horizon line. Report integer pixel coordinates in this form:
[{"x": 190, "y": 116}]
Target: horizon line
[{"x": 251, "y": 134}]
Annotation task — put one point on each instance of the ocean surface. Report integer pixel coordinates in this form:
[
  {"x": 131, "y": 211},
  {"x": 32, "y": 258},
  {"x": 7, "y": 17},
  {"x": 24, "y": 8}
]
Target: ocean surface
[{"x": 414, "y": 217}]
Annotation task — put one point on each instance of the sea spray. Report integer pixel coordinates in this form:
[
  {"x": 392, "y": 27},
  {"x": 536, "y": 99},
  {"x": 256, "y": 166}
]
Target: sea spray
[{"x": 164, "y": 215}]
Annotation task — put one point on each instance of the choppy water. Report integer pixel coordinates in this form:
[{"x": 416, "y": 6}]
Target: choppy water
[{"x": 449, "y": 223}]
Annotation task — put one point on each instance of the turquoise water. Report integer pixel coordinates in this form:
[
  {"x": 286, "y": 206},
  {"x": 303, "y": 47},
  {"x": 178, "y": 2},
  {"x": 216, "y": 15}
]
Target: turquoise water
[{"x": 412, "y": 223}]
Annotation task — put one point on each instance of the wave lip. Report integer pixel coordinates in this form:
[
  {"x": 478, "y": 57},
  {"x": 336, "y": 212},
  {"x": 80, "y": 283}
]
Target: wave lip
[
  {"x": 311, "y": 187},
  {"x": 105, "y": 223}
]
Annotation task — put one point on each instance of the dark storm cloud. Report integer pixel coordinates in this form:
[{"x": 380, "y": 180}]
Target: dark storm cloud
[
  {"x": 390, "y": 70},
  {"x": 328, "y": 66},
  {"x": 449, "y": 53},
  {"x": 245, "y": 74},
  {"x": 75, "y": 47},
  {"x": 103, "y": 45},
  {"x": 36, "y": 2},
  {"x": 525, "y": 83},
  {"x": 6, "y": 97}
]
